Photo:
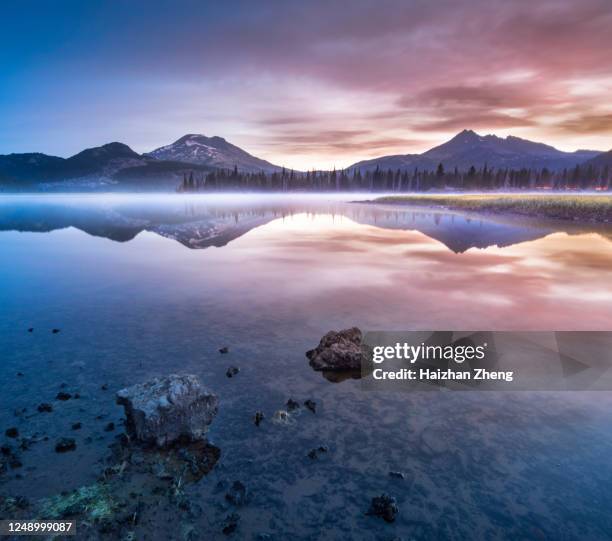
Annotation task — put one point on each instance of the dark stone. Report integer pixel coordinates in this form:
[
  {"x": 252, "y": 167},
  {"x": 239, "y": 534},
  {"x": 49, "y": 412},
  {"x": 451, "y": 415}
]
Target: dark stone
[
  {"x": 12, "y": 432},
  {"x": 338, "y": 351},
  {"x": 63, "y": 396},
  {"x": 383, "y": 506},
  {"x": 45, "y": 408},
  {"x": 24, "y": 444},
  {"x": 292, "y": 405},
  {"x": 311, "y": 405},
  {"x": 237, "y": 494},
  {"x": 55, "y": 331},
  {"x": 259, "y": 417},
  {"x": 65, "y": 444},
  {"x": 224, "y": 350},
  {"x": 232, "y": 371},
  {"x": 168, "y": 409},
  {"x": 109, "y": 427},
  {"x": 76, "y": 426},
  {"x": 397, "y": 475},
  {"x": 231, "y": 523},
  {"x": 315, "y": 453}
]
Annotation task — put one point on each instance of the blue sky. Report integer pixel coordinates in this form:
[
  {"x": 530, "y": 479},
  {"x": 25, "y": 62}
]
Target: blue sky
[{"x": 304, "y": 84}]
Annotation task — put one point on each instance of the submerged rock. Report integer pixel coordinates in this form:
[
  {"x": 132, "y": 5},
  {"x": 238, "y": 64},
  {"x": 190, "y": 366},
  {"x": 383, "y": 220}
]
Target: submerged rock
[
  {"x": 311, "y": 405},
  {"x": 168, "y": 409},
  {"x": 232, "y": 371},
  {"x": 64, "y": 445},
  {"x": 292, "y": 405},
  {"x": 383, "y": 506},
  {"x": 258, "y": 418},
  {"x": 282, "y": 417},
  {"x": 340, "y": 351},
  {"x": 237, "y": 494},
  {"x": 315, "y": 453},
  {"x": 231, "y": 523}
]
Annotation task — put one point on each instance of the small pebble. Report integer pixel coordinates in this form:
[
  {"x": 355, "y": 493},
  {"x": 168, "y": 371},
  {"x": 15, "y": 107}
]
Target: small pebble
[
  {"x": 292, "y": 405},
  {"x": 64, "y": 445},
  {"x": 232, "y": 371},
  {"x": 311, "y": 405},
  {"x": 315, "y": 453}
]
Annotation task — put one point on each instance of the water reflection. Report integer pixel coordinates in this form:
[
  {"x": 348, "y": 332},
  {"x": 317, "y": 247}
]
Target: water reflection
[
  {"x": 287, "y": 272},
  {"x": 203, "y": 221}
]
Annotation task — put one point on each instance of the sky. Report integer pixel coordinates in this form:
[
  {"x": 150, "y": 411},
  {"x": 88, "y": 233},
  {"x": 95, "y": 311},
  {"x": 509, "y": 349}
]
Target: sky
[{"x": 304, "y": 84}]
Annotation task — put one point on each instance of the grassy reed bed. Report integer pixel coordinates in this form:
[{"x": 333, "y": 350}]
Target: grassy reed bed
[{"x": 593, "y": 208}]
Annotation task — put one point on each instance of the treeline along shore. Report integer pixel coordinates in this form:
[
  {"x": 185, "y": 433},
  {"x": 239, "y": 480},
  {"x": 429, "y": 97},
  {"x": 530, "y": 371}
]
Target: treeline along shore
[{"x": 578, "y": 178}]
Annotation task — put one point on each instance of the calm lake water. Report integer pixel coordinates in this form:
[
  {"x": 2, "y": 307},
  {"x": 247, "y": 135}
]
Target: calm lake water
[{"x": 142, "y": 286}]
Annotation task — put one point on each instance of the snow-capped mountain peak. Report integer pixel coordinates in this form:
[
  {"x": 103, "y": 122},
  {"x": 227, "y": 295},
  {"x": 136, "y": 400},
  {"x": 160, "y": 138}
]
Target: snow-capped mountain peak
[{"x": 211, "y": 151}]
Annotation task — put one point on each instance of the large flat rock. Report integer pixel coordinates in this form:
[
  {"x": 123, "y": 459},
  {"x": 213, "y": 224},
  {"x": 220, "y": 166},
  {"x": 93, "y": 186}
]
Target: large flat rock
[{"x": 165, "y": 410}]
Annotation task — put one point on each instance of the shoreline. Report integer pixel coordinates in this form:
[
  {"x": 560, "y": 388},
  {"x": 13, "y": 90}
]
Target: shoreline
[{"x": 574, "y": 209}]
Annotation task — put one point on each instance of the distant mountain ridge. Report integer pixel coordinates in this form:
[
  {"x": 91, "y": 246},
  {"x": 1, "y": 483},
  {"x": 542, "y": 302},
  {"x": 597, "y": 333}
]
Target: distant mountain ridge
[
  {"x": 469, "y": 149},
  {"x": 117, "y": 165}
]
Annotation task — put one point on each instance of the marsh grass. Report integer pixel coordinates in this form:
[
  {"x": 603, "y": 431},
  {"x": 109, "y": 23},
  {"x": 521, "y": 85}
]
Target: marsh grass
[{"x": 596, "y": 208}]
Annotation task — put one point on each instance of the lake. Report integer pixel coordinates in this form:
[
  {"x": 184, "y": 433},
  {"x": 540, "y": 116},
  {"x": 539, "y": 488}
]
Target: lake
[{"x": 141, "y": 286}]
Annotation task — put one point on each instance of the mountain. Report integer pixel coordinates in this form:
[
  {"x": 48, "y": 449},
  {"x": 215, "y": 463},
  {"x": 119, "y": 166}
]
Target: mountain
[
  {"x": 117, "y": 166},
  {"x": 113, "y": 165},
  {"x": 602, "y": 160},
  {"x": 213, "y": 152},
  {"x": 101, "y": 161},
  {"x": 28, "y": 166},
  {"x": 468, "y": 149}
]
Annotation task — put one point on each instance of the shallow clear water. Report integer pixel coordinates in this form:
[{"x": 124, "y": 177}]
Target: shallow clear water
[{"x": 144, "y": 286}]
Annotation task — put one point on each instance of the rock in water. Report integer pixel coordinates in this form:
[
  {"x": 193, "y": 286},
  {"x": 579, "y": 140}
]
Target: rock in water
[
  {"x": 338, "y": 351},
  {"x": 64, "y": 445},
  {"x": 168, "y": 409},
  {"x": 383, "y": 506}
]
